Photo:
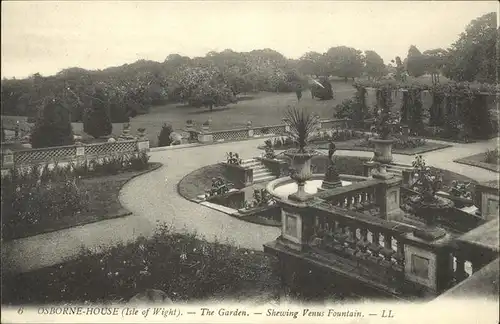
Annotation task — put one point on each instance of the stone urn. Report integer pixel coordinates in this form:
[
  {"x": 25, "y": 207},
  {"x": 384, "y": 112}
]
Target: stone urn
[
  {"x": 189, "y": 125},
  {"x": 429, "y": 212},
  {"x": 382, "y": 152},
  {"x": 300, "y": 171},
  {"x": 205, "y": 126}
]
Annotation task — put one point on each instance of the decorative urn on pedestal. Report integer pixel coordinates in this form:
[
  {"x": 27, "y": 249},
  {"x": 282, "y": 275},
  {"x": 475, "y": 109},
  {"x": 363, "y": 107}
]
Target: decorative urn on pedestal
[
  {"x": 382, "y": 152},
  {"x": 301, "y": 128},
  {"x": 428, "y": 206}
]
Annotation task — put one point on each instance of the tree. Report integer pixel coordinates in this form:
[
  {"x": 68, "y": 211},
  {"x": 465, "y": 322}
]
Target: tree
[
  {"x": 312, "y": 63},
  {"x": 473, "y": 55},
  {"x": 52, "y": 126},
  {"x": 343, "y": 61},
  {"x": 415, "y": 64},
  {"x": 374, "y": 65},
  {"x": 97, "y": 121},
  {"x": 434, "y": 62},
  {"x": 200, "y": 86}
]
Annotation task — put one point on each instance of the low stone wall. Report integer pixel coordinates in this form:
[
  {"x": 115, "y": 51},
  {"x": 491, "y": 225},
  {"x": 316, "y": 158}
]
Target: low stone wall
[{"x": 233, "y": 199}]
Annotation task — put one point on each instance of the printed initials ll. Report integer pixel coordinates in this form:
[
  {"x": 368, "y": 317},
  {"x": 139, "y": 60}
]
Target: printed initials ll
[{"x": 387, "y": 313}]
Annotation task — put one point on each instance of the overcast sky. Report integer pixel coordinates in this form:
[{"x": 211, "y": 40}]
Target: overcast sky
[{"x": 46, "y": 37}]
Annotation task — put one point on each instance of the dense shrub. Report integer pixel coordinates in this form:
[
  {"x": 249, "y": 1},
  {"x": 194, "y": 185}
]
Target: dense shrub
[
  {"x": 164, "y": 136},
  {"x": 492, "y": 156},
  {"x": 323, "y": 93},
  {"x": 183, "y": 266},
  {"x": 52, "y": 126}
]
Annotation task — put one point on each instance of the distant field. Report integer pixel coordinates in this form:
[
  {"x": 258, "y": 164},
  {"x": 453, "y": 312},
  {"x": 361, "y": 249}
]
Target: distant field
[{"x": 261, "y": 108}]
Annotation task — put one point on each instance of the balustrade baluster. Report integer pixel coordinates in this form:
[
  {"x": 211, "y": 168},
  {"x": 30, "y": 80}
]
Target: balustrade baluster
[
  {"x": 349, "y": 202},
  {"x": 387, "y": 252},
  {"x": 387, "y": 241},
  {"x": 460, "y": 273},
  {"x": 364, "y": 234},
  {"x": 400, "y": 256}
]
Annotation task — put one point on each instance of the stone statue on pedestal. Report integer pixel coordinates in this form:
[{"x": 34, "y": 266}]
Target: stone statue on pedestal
[{"x": 332, "y": 177}]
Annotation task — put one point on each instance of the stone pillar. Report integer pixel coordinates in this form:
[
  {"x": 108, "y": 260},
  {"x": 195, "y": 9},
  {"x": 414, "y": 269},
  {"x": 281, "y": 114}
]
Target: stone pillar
[
  {"x": 205, "y": 137},
  {"x": 80, "y": 152},
  {"x": 297, "y": 225},
  {"x": 429, "y": 265},
  {"x": 387, "y": 194},
  {"x": 7, "y": 161},
  {"x": 249, "y": 127},
  {"x": 488, "y": 199},
  {"x": 143, "y": 145}
]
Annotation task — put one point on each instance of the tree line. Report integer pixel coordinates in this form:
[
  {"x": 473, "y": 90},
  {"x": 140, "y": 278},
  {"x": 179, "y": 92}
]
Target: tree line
[{"x": 121, "y": 92}]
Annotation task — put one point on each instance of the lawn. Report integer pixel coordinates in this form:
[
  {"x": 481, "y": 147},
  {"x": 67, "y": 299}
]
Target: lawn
[
  {"x": 479, "y": 160},
  {"x": 104, "y": 204},
  {"x": 260, "y": 108}
]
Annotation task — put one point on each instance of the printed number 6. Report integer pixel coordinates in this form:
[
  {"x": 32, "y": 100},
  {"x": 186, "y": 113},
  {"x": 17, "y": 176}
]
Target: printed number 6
[{"x": 20, "y": 310}]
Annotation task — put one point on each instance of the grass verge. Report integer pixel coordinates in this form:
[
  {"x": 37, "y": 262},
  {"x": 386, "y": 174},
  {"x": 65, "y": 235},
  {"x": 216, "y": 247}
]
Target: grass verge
[{"x": 477, "y": 160}]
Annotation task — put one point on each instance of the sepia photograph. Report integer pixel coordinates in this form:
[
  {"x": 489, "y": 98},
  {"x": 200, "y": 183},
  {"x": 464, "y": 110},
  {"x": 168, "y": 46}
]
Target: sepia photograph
[{"x": 250, "y": 161}]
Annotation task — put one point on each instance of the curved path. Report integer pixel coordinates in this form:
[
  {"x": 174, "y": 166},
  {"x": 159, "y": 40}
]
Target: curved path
[{"x": 153, "y": 198}]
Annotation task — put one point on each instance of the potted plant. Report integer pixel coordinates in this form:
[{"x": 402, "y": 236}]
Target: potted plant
[
  {"x": 141, "y": 132},
  {"x": 427, "y": 205},
  {"x": 302, "y": 125},
  {"x": 189, "y": 124},
  {"x": 205, "y": 126},
  {"x": 233, "y": 158}
]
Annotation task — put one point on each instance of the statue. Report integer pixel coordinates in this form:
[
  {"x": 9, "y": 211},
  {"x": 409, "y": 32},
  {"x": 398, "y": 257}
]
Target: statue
[
  {"x": 332, "y": 177},
  {"x": 331, "y": 150}
]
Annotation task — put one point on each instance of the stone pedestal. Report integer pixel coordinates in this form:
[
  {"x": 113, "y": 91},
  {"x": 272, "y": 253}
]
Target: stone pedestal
[
  {"x": 387, "y": 194},
  {"x": 428, "y": 264},
  {"x": 204, "y": 137},
  {"x": 297, "y": 225},
  {"x": 143, "y": 145},
  {"x": 488, "y": 199}
]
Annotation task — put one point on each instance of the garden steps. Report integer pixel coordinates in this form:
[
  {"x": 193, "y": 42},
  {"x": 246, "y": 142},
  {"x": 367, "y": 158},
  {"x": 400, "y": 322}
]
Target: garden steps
[
  {"x": 397, "y": 168},
  {"x": 260, "y": 172}
]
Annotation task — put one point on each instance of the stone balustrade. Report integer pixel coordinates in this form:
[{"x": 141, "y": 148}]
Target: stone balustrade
[
  {"x": 71, "y": 153},
  {"x": 357, "y": 196},
  {"x": 207, "y": 135}
]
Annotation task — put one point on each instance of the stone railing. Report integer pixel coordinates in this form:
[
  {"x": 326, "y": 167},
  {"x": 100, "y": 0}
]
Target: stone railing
[
  {"x": 372, "y": 242},
  {"x": 357, "y": 196},
  {"x": 206, "y": 135},
  {"x": 70, "y": 153}
]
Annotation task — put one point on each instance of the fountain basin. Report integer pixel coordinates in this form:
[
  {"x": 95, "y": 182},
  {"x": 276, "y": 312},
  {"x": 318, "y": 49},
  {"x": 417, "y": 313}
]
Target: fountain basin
[{"x": 281, "y": 188}]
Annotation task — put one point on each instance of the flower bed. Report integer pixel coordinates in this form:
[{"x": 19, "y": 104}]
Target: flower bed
[
  {"x": 488, "y": 160},
  {"x": 185, "y": 267},
  {"x": 411, "y": 147},
  {"x": 61, "y": 200}
]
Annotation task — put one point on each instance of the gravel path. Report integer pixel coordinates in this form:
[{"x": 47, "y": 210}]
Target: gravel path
[{"x": 153, "y": 198}]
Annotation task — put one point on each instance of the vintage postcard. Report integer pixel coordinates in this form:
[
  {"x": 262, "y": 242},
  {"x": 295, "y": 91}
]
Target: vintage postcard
[{"x": 250, "y": 162}]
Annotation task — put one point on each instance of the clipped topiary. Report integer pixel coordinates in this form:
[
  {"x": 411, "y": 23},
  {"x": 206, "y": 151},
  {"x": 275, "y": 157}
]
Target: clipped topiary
[
  {"x": 96, "y": 121},
  {"x": 164, "y": 136},
  {"x": 52, "y": 126}
]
